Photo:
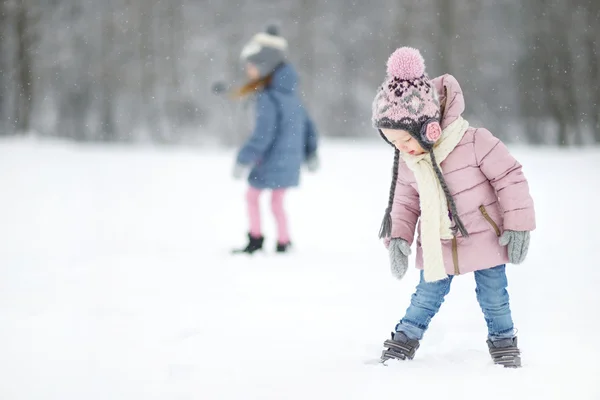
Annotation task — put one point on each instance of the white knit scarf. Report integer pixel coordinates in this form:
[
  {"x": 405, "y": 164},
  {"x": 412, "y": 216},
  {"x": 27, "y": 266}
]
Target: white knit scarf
[{"x": 435, "y": 223}]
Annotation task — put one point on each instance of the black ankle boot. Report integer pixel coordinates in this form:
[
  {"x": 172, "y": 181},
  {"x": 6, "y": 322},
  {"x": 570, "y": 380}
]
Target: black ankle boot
[
  {"x": 283, "y": 247},
  {"x": 505, "y": 352},
  {"x": 399, "y": 347},
  {"x": 254, "y": 244}
]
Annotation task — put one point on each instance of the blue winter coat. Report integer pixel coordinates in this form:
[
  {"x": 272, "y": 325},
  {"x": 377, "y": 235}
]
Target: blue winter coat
[{"x": 284, "y": 135}]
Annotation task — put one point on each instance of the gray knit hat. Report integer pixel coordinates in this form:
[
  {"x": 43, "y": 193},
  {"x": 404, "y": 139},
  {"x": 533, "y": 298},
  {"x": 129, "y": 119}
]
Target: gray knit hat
[{"x": 266, "y": 50}]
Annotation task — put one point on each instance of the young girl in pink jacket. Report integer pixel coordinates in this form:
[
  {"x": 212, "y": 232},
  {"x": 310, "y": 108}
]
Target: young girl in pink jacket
[{"x": 466, "y": 191}]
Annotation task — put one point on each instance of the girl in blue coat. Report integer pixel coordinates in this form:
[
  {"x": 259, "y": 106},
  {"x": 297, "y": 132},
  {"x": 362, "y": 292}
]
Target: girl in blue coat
[{"x": 284, "y": 136}]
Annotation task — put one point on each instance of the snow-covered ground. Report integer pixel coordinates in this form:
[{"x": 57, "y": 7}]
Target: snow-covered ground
[{"x": 116, "y": 283}]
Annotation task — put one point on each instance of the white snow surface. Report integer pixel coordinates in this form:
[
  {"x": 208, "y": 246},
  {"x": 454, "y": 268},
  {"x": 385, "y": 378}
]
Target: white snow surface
[{"x": 116, "y": 282}]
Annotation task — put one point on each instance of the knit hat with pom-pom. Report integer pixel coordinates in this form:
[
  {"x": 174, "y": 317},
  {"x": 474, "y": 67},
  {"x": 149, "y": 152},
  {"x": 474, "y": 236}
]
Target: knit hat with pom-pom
[
  {"x": 266, "y": 50},
  {"x": 406, "y": 99}
]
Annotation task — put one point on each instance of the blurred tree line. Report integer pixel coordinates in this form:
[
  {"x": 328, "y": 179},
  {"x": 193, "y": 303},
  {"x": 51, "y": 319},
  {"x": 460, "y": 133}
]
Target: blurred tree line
[{"x": 141, "y": 70}]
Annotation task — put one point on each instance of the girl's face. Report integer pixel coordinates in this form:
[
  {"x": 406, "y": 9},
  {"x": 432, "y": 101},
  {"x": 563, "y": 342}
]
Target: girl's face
[
  {"x": 403, "y": 141},
  {"x": 252, "y": 72}
]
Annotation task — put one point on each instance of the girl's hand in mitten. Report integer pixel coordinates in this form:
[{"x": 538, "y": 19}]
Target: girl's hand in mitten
[
  {"x": 518, "y": 245},
  {"x": 399, "y": 250},
  {"x": 313, "y": 163},
  {"x": 240, "y": 171}
]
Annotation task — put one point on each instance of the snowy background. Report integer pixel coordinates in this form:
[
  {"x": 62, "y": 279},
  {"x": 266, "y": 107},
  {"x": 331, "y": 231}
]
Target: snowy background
[
  {"x": 116, "y": 283},
  {"x": 118, "y": 211}
]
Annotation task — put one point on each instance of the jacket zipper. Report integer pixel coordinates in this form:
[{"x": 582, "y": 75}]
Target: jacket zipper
[
  {"x": 455, "y": 255},
  {"x": 489, "y": 219}
]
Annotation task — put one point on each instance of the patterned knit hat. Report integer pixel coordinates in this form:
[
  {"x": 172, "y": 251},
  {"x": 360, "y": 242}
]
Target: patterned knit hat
[
  {"x": 266, "y": 50},
  {"x": 408, "y": 100}
]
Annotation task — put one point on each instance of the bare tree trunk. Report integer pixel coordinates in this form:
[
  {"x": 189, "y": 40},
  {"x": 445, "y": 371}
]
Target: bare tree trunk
[
  {"x": 346, "y": 103},
  {"x": 129, "y": 40},
  {"x": 556, "y": 68},
  {"x": 159, "y": 75},
  {"x": 592, "y": 45},
  {"x": 169, "y": 76},
  {"x": 24, "y": 94},
  {"x": 107, "y": 122},
  {"x": 3, "y": 73},
  {"x": 531, "y": 102},
  {"x": 555, "y": 105},
  {"x": 175, "y": 40},
  {"x": 447, "y": 31},
  {"x": 593, "y": 48},
  {"x": 403, "y": 13},
  {"x": 563, "y": 77},
  {"x": 151, "y": 121},
  {"x": 595, "y": 77},
  {"x": 145, "y": 79},
  {"x": 307, "y": 46},
  {"x": 237, "y": 127}
]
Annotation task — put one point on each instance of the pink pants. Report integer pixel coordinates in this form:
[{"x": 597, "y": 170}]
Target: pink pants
[{"x": 252, "y": 198}]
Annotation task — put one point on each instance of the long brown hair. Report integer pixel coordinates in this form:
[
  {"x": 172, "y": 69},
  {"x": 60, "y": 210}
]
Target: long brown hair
[{"x": 253, "y": 86}]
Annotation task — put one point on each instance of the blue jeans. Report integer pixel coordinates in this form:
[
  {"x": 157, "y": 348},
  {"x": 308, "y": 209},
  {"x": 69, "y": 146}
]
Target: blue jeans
[{"x": 491, "y": 295}]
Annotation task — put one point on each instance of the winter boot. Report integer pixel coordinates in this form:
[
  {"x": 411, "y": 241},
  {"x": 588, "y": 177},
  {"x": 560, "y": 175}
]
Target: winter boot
[
  {"x": 400, "y": 347},
  {"x": 283, "y": 247},
  {"x": 254, "y": 244},
  {"x": 505, "y": 352}
]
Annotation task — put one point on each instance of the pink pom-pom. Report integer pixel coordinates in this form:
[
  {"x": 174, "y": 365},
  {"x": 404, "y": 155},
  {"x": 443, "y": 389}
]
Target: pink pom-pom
[{"x": 406, "y": 63}]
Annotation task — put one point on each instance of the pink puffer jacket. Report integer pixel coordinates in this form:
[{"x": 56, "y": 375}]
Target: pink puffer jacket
[{"x": 488, "y": 186}]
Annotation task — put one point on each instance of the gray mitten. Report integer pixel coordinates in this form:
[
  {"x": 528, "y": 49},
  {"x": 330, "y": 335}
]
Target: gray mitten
[
  {"x": 313, "y": 163},
  {"x": 399, "y": 251},
  {"x": 240, "y": 171},
  {"x": 518, "y": 245}
]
